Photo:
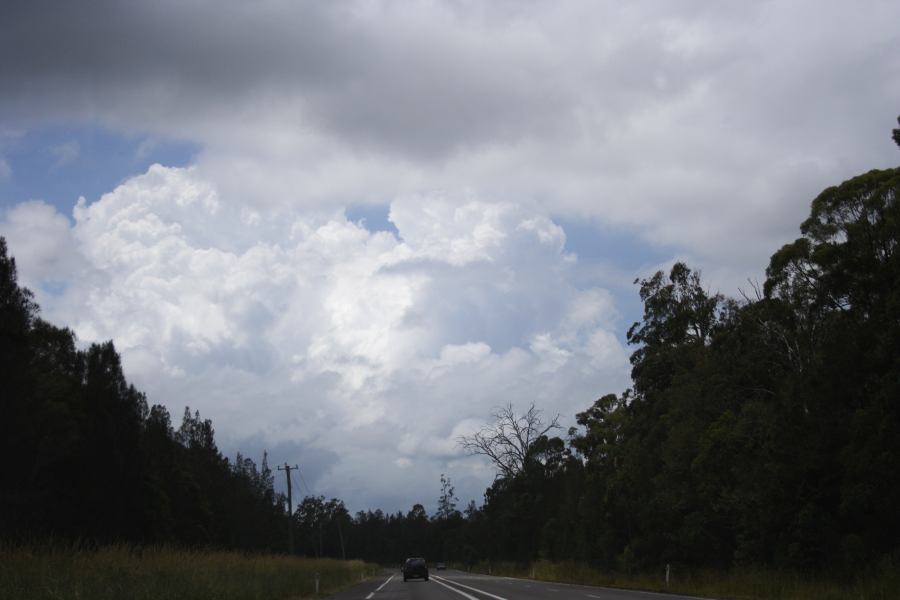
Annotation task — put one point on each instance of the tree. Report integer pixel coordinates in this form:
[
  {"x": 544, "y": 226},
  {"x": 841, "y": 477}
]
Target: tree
[
  {"x": 678, "y": 313},
  {"x": 310, "y": 517},
  {"x": 197, "y": 434},
  {"x": 17, "y": 306},
  {"x": 446, "y": 501},
  {"x": 841, "y": 279},
  {"x": 417, "y": 513},
  {"x": 508, "y": 441},
  {"x": 18, "y": 440},
  {"x": 339, "y": 516}
]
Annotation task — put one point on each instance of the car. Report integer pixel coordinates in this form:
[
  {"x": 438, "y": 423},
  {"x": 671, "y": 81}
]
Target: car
[
  {"x": 440, "y": 566},
  {"x": 415, "y": 568}
]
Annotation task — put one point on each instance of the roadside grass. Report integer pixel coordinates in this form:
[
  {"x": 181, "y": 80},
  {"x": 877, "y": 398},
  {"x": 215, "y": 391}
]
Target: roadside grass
[
  {"x": 880, "y": 582},
  {"x": 58, "y": 571}
]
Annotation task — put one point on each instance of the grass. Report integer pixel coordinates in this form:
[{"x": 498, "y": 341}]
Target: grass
[
  {"x": 55, "y": 572},
  {"x": 880, "y": 582}
]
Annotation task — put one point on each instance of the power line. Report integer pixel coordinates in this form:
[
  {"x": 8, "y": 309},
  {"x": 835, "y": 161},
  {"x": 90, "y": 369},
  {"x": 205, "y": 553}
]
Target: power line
[
  {"x": 308, "y": 489},
  {"x": 295, "y": 481}
]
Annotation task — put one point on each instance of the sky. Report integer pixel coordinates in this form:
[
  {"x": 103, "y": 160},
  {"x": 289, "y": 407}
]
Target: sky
[{"x": 345, "y": 232}]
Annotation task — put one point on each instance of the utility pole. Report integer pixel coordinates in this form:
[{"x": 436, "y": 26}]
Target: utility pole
[{"x": 287, "y": 473}]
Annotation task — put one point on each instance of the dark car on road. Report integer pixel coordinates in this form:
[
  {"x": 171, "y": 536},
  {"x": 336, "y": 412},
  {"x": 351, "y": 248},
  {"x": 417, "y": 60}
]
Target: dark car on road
[{"x": 415, "y": 568}]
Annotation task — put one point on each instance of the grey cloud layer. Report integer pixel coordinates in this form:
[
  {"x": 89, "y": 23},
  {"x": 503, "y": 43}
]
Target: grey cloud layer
[
  {"x": 426, "y": 79},
  {"x": 702, "y": 127},
  {"x": 391, "y": 76}
]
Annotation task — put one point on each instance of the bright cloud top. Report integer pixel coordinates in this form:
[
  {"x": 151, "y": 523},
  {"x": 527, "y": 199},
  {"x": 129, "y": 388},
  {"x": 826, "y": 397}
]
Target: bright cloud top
[{"x": 317, "y": 332}]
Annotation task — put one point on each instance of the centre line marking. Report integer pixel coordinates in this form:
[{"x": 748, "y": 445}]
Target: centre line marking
[
  {"x": 468, "y": 587},
  {"x": 453, "y": 589}
]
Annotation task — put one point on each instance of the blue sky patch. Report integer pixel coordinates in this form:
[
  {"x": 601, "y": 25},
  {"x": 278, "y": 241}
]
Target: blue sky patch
[
  {"x": 614, "y": 251},
  {"x": 54, "y": 287},
  {"x": 592, "y": 241},
  {"x": 57, "y": 164},
  {"x": 373, "y": 216}
]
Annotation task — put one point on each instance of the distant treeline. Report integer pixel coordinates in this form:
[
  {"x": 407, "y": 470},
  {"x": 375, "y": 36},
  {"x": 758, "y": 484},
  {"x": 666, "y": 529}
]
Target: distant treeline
[{"x": 763, "y": 431}]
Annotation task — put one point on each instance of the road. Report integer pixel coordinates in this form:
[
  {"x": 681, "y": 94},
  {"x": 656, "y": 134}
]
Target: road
[{"x": 459, "y": 585}]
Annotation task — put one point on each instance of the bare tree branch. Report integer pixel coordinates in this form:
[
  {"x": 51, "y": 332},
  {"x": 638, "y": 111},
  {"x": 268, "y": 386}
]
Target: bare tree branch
[{"x": 507, "y": 441}]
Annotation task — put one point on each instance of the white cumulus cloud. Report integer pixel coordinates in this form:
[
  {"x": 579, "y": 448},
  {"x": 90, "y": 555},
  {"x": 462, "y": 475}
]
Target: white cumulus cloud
[{"x": 318, "y": 333}]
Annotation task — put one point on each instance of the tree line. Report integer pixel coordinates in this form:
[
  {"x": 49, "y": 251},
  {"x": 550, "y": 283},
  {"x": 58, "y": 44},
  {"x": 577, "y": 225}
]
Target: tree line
[
  {"x": 763, "y": 430},
  {"x": 760, "y": 430},
  {"x": 88, "y": 459}
]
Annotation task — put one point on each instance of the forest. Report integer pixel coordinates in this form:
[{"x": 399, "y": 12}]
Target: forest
[{"x": 760, "y": 430}]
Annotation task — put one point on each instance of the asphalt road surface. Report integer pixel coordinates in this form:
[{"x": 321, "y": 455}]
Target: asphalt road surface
[{"x": 459, "y": 585}]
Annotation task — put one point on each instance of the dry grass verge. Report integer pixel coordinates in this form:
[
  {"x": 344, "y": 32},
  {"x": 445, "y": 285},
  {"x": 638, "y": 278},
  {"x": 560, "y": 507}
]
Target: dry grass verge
[
  {"x": 54, "y": 572},
  {"x": 879, "y": 582}
]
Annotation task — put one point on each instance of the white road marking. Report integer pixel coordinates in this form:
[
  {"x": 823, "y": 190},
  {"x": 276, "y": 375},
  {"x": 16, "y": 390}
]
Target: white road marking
[
  {"x": 468, "y": 587},
  {"x": 460, "y": 592},
  {"x": 603, "y": 587},
  {"x": 666, "y": 594},
  {"x": 648, "y": 593},
  {"x": 379, "y": 587}
]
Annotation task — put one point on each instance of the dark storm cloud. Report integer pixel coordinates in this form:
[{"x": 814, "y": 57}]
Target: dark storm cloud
[
  {"x": 59, "y": 53},
  {"x": 378, "y": 80}
]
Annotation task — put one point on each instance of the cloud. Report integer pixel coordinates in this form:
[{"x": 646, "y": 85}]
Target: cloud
[
  {"x": 700, "y": 130},
  {"x": 41, "y": 240},
  {"x": 704, "y": 128},
  {"x": 366, "y": 352},
  {"x": 5, "y": 169},
  {"x": 146, "y": 148},
  {"x": 65, "y": 153}
]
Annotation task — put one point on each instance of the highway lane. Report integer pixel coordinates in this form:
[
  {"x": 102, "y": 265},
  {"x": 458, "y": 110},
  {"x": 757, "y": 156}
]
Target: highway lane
[{"x": 459, "y": 585}]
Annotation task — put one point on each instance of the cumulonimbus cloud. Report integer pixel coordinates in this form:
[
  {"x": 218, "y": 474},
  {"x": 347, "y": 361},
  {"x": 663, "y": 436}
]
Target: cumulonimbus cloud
[{"x": 322, "y": 333}]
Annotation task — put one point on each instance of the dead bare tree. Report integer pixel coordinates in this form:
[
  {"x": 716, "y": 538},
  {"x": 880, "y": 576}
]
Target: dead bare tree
[{"x": 508, "y": 439}]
